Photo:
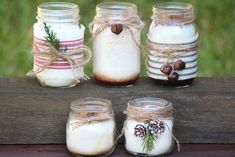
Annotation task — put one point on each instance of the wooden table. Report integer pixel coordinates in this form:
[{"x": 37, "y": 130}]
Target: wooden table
[
  {"x": 188, "y": 150},
  {"x": 33, "y": 118}
]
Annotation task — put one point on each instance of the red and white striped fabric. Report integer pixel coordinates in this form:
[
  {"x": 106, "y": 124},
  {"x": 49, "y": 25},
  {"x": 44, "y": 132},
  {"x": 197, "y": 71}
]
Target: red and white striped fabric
[{"x": 59, "y": 63}]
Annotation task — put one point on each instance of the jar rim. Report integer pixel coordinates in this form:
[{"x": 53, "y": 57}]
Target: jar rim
[
  {"x": 148, "y": 103},
  {"x": 57, "y": 6},
  {"x": 89, "y": 104},
  {"x": 116, "y": 6},
  {"x": 173, "y": 6},
  {"x": 173, "y": 13},
  {"x": 58, "y": 12},
  {"x": 107, "y": 9}
]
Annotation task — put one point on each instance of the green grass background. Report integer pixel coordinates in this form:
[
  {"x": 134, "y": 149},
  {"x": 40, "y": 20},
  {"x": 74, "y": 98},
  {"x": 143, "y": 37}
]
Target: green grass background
[{"x": 215, "y": 22}]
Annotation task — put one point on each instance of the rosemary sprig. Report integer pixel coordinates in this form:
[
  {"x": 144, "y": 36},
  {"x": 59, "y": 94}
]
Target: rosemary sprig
[
  {"x": 147, "y": 143},
  {"x": 51, "y": 37}
]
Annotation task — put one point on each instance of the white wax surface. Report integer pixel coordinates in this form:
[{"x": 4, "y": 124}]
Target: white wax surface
[
  {"x": 116, "y": 56},
  {"x": 65, "y": 32},
  {"x": 162, "y": 145},
  {"x": 172, "y": 34},
  {"x": 91, "y": 139}
]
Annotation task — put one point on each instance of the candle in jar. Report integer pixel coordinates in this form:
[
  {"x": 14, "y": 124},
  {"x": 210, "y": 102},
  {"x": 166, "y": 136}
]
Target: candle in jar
[
  {"x": 116, "y": 58},
  {"x": 62, "y": 19},
  {"x": 91, "y": 127},
  {"x": 173, "y": 25},
  {"x": 149, "y": 120}
]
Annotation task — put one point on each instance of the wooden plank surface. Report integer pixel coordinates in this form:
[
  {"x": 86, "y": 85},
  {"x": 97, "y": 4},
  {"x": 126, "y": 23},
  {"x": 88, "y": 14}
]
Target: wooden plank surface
[
  {"x": 189, "y": 150},
  {"x": 32, "y": 114}
]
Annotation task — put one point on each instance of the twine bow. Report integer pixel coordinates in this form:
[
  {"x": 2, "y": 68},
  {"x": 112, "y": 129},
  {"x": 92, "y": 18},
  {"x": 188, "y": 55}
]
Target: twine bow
[
  {"x": 52, "y": 55},
  {"x": 128, "y": 23}
]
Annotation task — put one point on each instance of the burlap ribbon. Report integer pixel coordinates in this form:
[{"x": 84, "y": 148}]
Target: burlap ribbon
[
  {"x": 129, "y": 23},
  {"x": 52, "y": 55},
  {"x": 170, "y": 51}
]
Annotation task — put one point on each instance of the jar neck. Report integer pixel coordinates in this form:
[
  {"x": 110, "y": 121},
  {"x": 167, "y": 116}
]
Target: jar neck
[
  {"x": 116, "y": 10},
  {"x": 149, "y": 108},
  {"x": 173, "y": 13},
  {"x": 91, "y": 107},
  {"x": 58, "y": 12}
]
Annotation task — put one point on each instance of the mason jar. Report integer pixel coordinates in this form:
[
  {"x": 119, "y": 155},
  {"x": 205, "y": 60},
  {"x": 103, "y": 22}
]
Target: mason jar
[
  {"x": 90, "y": 127},
  {"x": 116, "y": 32},
  {"x": 149, "y": 126},
  {"x": 61, "y": 20},
  {"x": 172, "y": 44}
]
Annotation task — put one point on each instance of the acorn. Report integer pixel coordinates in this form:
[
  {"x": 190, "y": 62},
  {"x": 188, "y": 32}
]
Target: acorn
[
  {"x": 173, "y": 77},
  {"x": 117, "y": 28},
  {"x": 179, "y": 65},
  {"x": 166, "y": 69}
]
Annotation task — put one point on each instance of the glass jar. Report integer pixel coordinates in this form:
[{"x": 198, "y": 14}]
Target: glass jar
[
  {"x": 62, "y": 21},
  {"x": 90, "y": 127},
  {"x": 116, "y": 32},
  {"x": 148, "y": 127},
  {"x": 172, "y": 44}
]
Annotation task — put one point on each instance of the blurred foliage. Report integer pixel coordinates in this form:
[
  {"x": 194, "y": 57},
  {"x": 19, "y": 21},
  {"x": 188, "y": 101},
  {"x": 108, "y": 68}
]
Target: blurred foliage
[{"x": 215, "y": 22}]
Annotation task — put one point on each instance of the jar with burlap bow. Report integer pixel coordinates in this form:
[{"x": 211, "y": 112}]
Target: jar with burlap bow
[
  {"x": 172, "y": 44},
  {"x": 116, "y": 31},
  {"x": 148, "y": 128},
  {"x": 58, "y": 47},
  {"x": 91, "y": 127}
]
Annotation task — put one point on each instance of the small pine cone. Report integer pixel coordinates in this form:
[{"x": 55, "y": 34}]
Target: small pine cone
[
  {"x": 140, "y": 131},
  {"x": 156, "y": 127}
]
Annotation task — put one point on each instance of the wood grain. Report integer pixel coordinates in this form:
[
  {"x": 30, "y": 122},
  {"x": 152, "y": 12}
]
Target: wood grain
[
  {"x": 189, "y": 150},
  {"x": 32, "y": 114}
]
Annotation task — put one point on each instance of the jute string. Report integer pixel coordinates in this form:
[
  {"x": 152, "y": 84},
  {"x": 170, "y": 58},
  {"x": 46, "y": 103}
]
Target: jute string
[
  {"x": 81, "y": 120},
  {"x": 143, "y": 115},
  {"x": 128, "y": 23},
  {"x": 170, "y": 51},
  {"x": 52, "y": 55}
]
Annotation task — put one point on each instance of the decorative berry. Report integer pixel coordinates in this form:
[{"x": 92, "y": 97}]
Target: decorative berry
[
  {"x": 166, "y": 69},
  {"x": 140, "y": 131},
  {"x": 117, "y": 28},
  {"x": 156, "y": 127},
  {"x": 173, "y": 77},
  {"x": 179, "y": 65}
]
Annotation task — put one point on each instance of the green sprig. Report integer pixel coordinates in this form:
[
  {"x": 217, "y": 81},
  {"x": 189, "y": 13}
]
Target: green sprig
[
  {"x": 147, "y": 143},
  {"x": 51, "y": 37}
]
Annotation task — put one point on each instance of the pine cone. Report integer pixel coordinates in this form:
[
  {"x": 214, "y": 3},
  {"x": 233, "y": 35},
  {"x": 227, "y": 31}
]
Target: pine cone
[
  {"x": 156, "y": 127},
  {"x": 140, "y": 131}
]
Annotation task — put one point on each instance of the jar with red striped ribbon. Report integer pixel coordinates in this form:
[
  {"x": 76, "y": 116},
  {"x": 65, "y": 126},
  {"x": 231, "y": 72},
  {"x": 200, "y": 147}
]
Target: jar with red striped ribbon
[{"x": 59, "y": 50}]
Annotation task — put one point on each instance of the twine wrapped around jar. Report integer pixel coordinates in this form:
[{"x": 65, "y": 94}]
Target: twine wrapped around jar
[
  {"x": 52, "y": 55},
  {"x": 128, "y": 23},
  {"x": 171, "y": 51},
  {"x": 90, "y": 118}
]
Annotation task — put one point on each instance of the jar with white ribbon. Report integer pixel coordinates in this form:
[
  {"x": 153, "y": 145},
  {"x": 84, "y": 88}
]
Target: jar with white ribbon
[
  {"x": 116, "y": 31},
  {"x": 58, "y": 48}
]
